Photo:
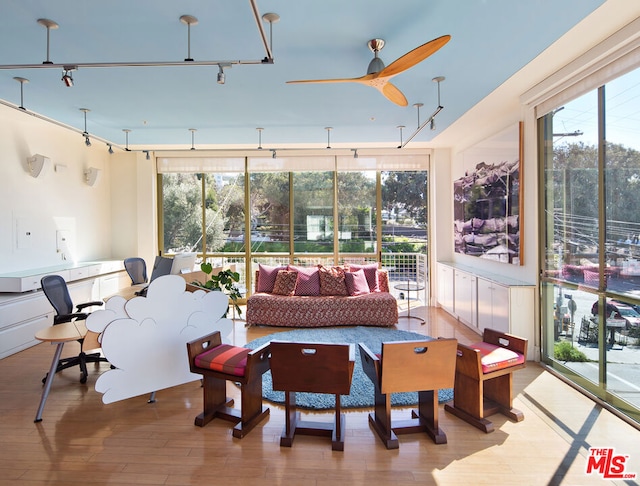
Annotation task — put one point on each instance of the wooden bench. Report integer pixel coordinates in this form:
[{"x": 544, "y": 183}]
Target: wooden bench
[
  {"x": 219, "y": 363},
  {"x": 483, "y": 384}
]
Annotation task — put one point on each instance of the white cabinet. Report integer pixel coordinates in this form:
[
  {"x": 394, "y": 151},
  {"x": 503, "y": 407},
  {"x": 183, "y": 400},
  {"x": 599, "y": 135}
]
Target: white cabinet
[
  {"x": 493, "y": 305},
  {"x": 486, "y": 300},
  {"x": 25, "y": 309},
  {"x": 445, "y": 287},
  {"x": 508, "y": 308},
  {"x": 465, "y": 302}
]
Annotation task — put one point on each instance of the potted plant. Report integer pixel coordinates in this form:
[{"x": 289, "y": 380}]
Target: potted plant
[{"x": 223, "y": 281}]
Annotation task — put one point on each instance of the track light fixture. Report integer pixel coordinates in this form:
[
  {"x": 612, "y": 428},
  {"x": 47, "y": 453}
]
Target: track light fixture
[
  {"x": 147, "y": 156},
  {"x": 273, "y": 154},
  {"x": 110, "y": 150},
  {"x": 22, "y": 82},
  {"x": 67, "y": 78},
  {"x": 431, "y": 119},
  {"x": 260, "y": 137},
  {"x": 328, "y": 129},
  {"x": 85, "y": 134},
  {"x": 126, "y": 138},
  {"x": 355, "y": 153},
  {"x": 193, "y": 131},
  {"x": 221, "y": 75}
]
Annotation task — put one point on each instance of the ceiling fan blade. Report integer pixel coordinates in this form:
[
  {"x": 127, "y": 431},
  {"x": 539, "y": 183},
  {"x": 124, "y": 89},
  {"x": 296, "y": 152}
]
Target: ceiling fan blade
[
  {"x": 392, "y": 93},
  {"x": 413, "y": 57},
  {"x": 337, "y": 80}
]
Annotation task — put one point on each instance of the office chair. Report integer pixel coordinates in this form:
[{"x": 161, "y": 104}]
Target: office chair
[
  {"x": 136, "y": 267},
  {"x": 161, "y": 266},
  {"x": 56, "y": 291}
]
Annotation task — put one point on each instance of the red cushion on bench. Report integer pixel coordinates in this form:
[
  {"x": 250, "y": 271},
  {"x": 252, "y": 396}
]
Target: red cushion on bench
[
  {"x": 495, "y": 358},
  {"x": 224, "y": 358}
]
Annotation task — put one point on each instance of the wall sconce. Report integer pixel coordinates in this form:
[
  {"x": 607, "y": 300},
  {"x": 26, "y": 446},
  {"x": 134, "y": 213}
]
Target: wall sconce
[
  {"x": 92, "y": 176},
  {"x": 38, "y": 165}
]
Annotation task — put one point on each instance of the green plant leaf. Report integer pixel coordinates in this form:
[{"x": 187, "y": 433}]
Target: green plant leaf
[{"x": 206, "y": 267}]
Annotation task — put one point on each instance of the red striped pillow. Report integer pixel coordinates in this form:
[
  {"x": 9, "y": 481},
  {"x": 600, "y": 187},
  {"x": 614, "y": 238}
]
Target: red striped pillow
[{"x": 224, "y": 358}]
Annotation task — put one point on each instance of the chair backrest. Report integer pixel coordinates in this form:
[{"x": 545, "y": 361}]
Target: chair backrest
[
  {"x": 161, "y": 267},
  {"x": 312, "y": 367},
  {"x": 56, "y": 291},
  {"x": 417, "y": 365},
  {"x": 136, "y": 267}
]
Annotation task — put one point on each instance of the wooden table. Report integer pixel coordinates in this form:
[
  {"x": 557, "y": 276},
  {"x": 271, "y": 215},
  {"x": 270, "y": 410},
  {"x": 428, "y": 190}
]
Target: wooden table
[{"x": 59, "y": 334}]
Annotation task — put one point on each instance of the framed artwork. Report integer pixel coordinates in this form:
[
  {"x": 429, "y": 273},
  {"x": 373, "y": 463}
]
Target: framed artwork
[{"x": 487, "y": 206}]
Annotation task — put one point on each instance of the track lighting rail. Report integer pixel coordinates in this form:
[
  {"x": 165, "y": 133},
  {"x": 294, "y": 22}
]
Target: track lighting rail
[
  {"x": 67, "y": 67},
  {"x": 79, "y": 65}
]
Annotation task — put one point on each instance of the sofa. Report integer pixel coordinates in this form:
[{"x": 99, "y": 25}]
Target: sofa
[{"x": 321, "y": 296}]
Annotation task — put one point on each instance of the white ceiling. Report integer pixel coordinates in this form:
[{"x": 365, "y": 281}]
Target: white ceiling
[{"x": 490, "y": 41}]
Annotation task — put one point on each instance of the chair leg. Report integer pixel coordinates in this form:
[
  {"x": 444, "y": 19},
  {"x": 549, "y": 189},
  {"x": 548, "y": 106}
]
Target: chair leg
[
  {"x": 380, "y": 420},
  {"x": 214, "y": 392},
  {"x": 499, "y": 395},
  {"x": 251, "y": 412},
  {"x": 427, "y": 415},
  {"x": 468, "y": 402},
  {"x": 293, "y": 425}
]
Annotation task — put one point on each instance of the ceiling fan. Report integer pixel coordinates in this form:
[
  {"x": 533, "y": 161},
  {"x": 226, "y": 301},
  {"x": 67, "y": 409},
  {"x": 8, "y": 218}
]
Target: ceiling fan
[{"x": 378, "y": 75}]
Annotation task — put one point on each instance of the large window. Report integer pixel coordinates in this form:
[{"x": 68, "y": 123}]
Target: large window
[
  {"x": 296, "y": 210},
  {"x": 591, "y": 229},
  {"x": 313, "y": 212}
]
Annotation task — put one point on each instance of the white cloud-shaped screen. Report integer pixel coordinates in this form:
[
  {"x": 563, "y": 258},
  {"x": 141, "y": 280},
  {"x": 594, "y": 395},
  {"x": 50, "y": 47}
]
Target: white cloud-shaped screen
[{"x": 145, "y": 338}]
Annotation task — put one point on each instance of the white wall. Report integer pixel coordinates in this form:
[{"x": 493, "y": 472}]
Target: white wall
[{"x": 59, "y": 200}]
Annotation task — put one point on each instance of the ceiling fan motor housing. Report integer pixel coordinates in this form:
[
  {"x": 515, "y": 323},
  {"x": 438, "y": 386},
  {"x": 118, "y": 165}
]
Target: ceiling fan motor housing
[{"x": 375, "y": 66}]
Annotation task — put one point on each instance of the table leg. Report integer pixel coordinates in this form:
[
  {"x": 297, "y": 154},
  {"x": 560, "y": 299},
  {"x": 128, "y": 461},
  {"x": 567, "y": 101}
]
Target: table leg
[{"x": 49, "y": 381}]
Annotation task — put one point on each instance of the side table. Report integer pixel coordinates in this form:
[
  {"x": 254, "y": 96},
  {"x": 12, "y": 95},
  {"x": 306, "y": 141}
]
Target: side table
[
  {"x": 409, "y": 287},
  {"x": 58, "y": 334}
]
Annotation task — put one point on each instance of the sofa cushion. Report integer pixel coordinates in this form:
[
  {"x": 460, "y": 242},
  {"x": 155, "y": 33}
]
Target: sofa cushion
[
  {"x": 267, "y": 277},
  {"x": 356, "y": 282},
  {"x": 493, "y": 358},
  {"x": 308, "y": 282},
  {"x": 224, "y": 358},
  {"x": 332, "y": 281},
  {"x": 285, "y": 282},
  {"x": 371, "y": 274}
]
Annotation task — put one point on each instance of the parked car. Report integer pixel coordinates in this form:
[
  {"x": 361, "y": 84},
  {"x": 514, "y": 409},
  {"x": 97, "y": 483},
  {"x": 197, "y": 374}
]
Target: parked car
[{"x": 620, "y": 310}]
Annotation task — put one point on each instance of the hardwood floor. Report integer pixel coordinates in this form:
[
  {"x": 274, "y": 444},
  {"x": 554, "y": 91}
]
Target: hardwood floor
[{"x": 81, "y": 440}]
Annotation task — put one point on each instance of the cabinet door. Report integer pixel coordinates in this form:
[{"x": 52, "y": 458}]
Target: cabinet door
[
  {"x": 493, "y": 305},
  {"x": 445, "y": 288},
  {"x": 485, "y": 311},
  {"x": 465, "y": 297},
  {"x": 500, "y": 307}
]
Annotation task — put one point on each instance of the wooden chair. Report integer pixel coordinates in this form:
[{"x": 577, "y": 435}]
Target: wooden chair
[
  {"x": 405, "y": 366},
  {"x": 219, "y": 363},
  {"x": 484, "y": 378},
  {"x": 315, "y": 368}
]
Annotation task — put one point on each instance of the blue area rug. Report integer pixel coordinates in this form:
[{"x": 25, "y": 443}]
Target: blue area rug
[{"x": 361, "y": 395}]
